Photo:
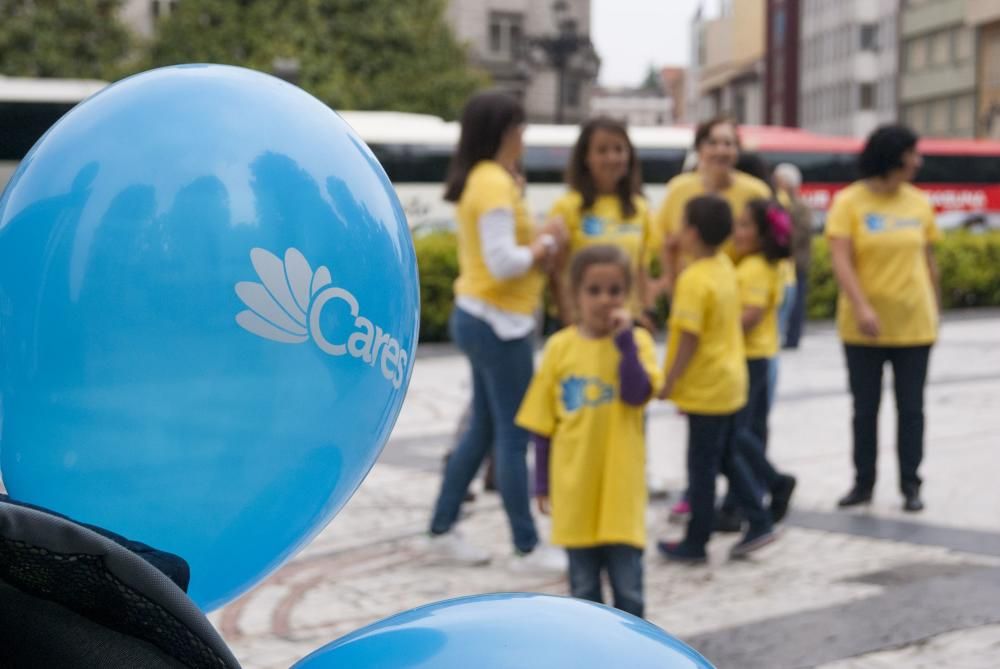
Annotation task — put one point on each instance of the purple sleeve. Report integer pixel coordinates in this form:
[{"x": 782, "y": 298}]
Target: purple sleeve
[
  {"x": 541, "y": 464},
  {"x": 634, "y": 382}
]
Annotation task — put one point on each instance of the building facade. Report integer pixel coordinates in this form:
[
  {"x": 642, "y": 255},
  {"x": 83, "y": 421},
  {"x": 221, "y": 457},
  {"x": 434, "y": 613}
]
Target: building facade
[
  {"x": 848, "y": 64},
  {"x": 634, "y": 107},
  {"x": 781, "y": 72},
  {"x": 937, "y": 83},
  {"x": 539, "y": 52},
  {"x": 983, "y": 16},
  {"x": 729, "y": 52}
]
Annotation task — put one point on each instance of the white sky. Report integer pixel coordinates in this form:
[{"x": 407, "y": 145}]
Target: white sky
[{"x": 631, "y": 34}]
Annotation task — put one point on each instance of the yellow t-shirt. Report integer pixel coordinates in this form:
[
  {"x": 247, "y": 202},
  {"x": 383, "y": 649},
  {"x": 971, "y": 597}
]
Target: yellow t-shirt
[
  {"x": 761, "y": 286},
  {"x": 489, "y": 187},
  {"x": 605, "y": 223},
  {"x": 707, "y": 304},
  {"x": 688, "y": 185},
  {"x": 597, "y": 479},
  {"x": 890, "y": 234}
]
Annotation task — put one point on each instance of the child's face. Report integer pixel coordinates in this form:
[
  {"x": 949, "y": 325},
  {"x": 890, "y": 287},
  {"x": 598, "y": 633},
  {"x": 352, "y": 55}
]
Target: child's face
[
  {"x": 602, "y": 290},
  {"x": 607, "y": 159},
  {"x": 745, "y": 237}
]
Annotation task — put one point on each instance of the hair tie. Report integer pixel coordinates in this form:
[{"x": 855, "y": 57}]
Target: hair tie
[{"x": 780, "y": 223}]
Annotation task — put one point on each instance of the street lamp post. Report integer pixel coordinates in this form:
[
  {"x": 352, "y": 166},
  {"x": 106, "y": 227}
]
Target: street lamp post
[{"x": 559, "y": 49}]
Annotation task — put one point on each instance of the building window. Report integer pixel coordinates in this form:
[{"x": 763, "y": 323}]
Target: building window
[
  {"x": 916, "y": 54},
  {"x": 963, "y": 45},
  {"x": 940, "y": 48},
  {"x": 869, "y": 37},
  {"x": 506, "y": 33},
  {"x": 940, "y": 122},
  {"x": 963, "y": 114},
  {"x": 867, "y": 97},
  {"x": 778, "y": 27}
]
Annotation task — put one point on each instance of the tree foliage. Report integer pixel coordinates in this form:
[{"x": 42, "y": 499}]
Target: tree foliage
[
  {"x": 352, "y": 54},
  {"x": 62, "y": 38}
]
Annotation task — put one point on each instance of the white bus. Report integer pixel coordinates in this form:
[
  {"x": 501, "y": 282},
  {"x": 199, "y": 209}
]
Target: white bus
[
  {"x": 29, "y": 107},
  {"x": 415, "y": 150}
]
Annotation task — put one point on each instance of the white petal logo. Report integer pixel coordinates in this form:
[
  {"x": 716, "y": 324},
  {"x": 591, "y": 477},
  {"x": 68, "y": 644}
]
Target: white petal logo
[{"x": 287, "y": 304}]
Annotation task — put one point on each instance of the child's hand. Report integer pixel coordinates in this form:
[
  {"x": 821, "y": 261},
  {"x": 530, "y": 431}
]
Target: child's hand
[
  {"x": 544, "y": 507},
  {"x": 621, "y": 320},
  {"x": 668, "y": 388}
]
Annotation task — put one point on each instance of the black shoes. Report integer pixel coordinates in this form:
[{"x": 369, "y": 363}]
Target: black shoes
[
  {"x": 781, "y": 496},
  {"x": 856, "y": 497},
  {"x": 912, "y": 502},
  {"x": 727, "y": 521}
]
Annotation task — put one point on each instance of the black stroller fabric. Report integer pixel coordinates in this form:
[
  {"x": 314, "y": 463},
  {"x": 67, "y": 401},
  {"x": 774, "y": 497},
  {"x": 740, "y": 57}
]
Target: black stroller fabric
[{"x": 77, "y": 596}]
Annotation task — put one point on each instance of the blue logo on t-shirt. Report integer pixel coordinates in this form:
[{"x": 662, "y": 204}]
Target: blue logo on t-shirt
[
  {"x": 875, "y": 222},
  {"x": 582, "y": 391},
  {"x": 593, "y": 225}
]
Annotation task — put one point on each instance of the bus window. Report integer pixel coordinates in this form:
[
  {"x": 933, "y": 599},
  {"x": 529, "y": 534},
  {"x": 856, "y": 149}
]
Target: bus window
[
  {"x": 960, "y": 169},
  {"x": 22, "y": 123},
  {"x": 413, "y": 163},
  {"x": 661, "y": 165}
]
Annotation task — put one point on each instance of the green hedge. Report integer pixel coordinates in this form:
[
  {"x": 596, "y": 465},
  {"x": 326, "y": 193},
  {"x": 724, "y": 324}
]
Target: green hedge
[{"x": 969, "y": 263}]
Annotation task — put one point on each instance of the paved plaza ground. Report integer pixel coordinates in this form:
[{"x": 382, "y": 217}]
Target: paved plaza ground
[{"x": 867, "y": 589}]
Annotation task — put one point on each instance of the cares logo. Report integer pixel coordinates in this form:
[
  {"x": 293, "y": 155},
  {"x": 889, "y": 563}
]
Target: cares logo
[{"x": 286, "y": 305}]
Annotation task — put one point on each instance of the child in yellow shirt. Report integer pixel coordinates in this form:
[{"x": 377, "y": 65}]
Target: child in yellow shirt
[
  {"x": 762, "y": 239},
  {"x": 707, "y": 379},
  {"x": 584, "y": 410}
]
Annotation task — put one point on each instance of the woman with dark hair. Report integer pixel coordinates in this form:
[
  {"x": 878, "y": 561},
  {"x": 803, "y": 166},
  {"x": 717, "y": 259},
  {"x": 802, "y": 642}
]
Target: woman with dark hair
[
  {"x": 881, "y": 231},
  {"x": 717, "y": 143},
  {"x": 501, "y": 261},
  {"x": 604, "y": 206}
]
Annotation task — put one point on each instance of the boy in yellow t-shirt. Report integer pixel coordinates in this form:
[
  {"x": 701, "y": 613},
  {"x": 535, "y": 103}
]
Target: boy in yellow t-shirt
[
  {"x": 584, "y": 409},
  {"x": 707, "y": 379}
]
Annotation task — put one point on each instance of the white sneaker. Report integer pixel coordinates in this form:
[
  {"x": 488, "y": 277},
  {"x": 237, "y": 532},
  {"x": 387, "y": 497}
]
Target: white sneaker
[
  {"x": 544, "y": 560},
  {"x": 450, "y": 549}
]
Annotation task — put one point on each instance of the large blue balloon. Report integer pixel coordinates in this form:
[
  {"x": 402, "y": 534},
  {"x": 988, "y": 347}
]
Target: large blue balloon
[
  {"x": 508, "y": 630},
  {"x": 208, "y": 314}
]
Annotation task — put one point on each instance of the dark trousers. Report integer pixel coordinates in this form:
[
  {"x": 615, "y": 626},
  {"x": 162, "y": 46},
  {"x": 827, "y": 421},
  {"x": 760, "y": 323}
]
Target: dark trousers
[
  {"x": 751, "y": 431},
  {"x": 711, "y": 449},
  {"x": 623, "y": 565},
  {"x": 909, "y": 371},
  {"x": 797, "y": 317}
]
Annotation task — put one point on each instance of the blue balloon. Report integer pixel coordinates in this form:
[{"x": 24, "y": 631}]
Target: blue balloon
[
  {"x": 208, "y": 314},
  {"x": 508, "y": 630}
]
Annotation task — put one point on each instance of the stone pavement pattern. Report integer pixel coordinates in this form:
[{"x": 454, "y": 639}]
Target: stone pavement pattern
[{"x": 860, "y": 590}]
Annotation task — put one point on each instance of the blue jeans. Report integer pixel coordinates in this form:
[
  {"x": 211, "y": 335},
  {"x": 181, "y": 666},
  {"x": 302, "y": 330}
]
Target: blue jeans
[
  {"x": 624, "y": 567},
  {"x": 501, "y": 372},
  {"x": 797, "y": 316},
  {"x": 784, "y": 313}
]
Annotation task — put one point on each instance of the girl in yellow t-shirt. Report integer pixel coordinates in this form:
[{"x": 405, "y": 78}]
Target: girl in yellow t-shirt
[
  {"x": 605, "y": 206},
  {"x": 762, "y": 236},
  {"x": 584, "y": 410}
]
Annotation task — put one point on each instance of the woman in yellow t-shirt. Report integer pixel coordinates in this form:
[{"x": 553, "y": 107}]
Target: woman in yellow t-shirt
[
  {"x": 501, "y": 258},
  {"x": 717, "y": 143},
  {"x": 605, "y": 206},
  {"x": 881, "y": 231},
  {"x": 584, "y": 409}
]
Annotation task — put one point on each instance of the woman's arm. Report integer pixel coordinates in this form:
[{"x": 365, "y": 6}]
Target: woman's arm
[
  {"x": 932, "y": 268},
  {"x": 842, "y": 258},
  {"x": 504, "y": 258}
]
